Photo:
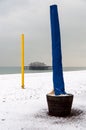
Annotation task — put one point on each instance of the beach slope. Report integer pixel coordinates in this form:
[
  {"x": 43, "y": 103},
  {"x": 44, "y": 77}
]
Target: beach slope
[{"x": 26, "y": 109}]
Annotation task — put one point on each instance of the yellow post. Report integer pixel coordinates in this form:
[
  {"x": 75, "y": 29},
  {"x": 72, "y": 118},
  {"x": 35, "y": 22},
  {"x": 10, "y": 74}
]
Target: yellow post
[{"x": 22, "y": 61}]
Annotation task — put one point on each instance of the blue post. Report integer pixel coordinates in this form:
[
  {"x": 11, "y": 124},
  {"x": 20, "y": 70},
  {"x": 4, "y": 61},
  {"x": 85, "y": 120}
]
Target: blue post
[{"x": 58, "y": 80}]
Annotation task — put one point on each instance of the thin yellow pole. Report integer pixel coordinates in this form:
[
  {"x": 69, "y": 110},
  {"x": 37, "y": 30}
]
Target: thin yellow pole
[{"x": 22, "y": 61}]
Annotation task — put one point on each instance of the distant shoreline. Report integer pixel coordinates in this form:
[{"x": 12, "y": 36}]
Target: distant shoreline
[{"x": 15, "y": 70}]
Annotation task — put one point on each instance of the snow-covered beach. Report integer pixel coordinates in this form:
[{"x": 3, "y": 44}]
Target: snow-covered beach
[{"x": 26, "y": 109}]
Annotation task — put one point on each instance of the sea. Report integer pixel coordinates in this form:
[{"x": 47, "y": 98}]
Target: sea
[{"x": 15, "y": 70}]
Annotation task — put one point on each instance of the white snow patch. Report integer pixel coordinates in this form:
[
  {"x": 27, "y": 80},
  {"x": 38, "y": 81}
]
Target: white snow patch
[{"x": 26, "y": 109}]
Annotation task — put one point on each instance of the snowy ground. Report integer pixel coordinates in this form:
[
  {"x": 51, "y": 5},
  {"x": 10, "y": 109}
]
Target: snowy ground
[{"x": 26, "y": 109}]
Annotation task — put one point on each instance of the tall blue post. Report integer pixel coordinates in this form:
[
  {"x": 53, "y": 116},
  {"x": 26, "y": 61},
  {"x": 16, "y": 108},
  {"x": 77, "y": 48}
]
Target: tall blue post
[{"x": 58, "y": 80}]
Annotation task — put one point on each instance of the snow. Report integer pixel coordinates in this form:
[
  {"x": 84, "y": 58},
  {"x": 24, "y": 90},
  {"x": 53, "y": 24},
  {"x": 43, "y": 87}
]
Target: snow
[{"x": 26, "y": 109}]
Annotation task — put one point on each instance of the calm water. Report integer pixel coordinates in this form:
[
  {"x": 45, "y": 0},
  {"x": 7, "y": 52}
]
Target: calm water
[{"x": 15, "y": 70}]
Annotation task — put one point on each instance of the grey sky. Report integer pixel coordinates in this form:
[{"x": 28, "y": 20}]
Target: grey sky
[{"x": 32, "y": 18}]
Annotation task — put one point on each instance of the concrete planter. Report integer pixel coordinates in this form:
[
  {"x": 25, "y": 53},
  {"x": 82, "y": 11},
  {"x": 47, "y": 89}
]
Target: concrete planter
[{"x": 59, "y": 105}]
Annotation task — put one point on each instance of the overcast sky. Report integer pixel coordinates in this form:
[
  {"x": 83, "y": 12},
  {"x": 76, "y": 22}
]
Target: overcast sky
[{"x": 32, "y": 17}]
